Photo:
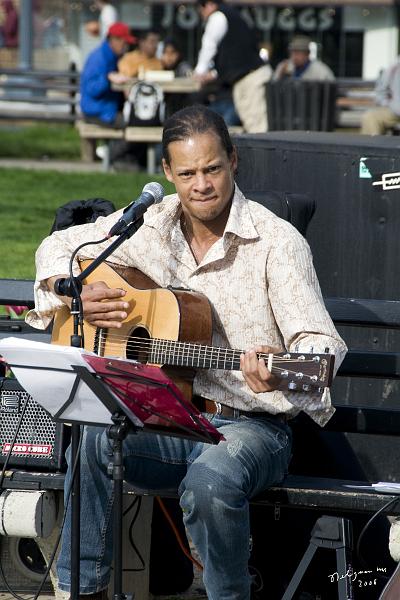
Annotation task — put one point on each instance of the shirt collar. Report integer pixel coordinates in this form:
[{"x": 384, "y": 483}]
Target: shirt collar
[{"x": 240, "y": 221}]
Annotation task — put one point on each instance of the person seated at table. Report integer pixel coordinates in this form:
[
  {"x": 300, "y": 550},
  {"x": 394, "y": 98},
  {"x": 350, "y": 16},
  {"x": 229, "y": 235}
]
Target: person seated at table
[
  {"x": 172, "y": 59},
  {"x": 143, "y": 58},
  {"x": 99, "y": 103},
  {"x": 386, "y": 113},
  {"x": 299, "y": 64}
]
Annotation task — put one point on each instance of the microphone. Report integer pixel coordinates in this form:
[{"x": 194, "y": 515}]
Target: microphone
[{"x": 152, "y": 193}]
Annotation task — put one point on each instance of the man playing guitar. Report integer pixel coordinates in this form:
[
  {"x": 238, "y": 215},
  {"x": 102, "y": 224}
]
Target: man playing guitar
[{"x": 256, "y": 271}]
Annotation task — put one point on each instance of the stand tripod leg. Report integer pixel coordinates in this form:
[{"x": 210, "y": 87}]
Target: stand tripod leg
[
  {"x": 344, "y": 567},
  {"x": 299, "y": 573}
]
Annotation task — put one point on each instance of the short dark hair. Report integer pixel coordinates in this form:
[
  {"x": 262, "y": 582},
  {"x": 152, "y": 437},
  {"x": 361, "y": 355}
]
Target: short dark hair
[
  {"x": 170, "y": 41},
  {"x": 204, "y": 2},
  {"x": 192, "y": 120},
  {"x": 144, "y": 33}
]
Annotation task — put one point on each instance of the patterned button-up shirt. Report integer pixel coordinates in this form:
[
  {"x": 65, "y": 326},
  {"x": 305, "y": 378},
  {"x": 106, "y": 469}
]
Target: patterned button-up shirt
[{"x": 259, "y": 278}]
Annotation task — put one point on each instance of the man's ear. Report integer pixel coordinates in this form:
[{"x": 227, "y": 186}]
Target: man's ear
[
  {"x": 167, "y": 170},
  {"x": 234, "y": 160}
]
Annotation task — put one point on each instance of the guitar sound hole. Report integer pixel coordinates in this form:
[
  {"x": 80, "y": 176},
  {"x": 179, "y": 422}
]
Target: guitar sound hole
[{"x": 138, "y": 347}]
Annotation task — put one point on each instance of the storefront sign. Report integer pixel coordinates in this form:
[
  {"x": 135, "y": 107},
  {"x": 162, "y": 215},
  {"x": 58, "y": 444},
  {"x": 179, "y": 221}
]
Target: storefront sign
[{"x": 264, "y": 18}]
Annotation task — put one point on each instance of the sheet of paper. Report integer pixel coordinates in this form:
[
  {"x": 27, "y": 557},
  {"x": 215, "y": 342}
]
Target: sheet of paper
[
  {"x": 34, "y": 365},
  {"x": 381, "y": 486}
]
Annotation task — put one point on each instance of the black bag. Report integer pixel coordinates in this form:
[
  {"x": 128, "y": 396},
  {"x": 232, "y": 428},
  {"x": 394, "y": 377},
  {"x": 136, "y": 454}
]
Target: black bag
[
  {"x": 145, "y": 106},
  {"x": 78, "y": 212}
]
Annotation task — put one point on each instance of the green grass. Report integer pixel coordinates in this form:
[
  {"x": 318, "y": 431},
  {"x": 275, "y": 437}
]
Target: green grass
[
  {"x": 29, "y": 199},
  {"x": 39, "y": 141}
]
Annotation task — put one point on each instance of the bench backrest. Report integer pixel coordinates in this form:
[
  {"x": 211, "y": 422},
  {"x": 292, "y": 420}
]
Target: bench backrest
[
  {"x": 46, "y": 95},
  {"x": 361, "y": 441}
]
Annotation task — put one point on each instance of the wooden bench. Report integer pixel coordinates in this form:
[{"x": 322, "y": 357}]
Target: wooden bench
[
  {"x": 39, "y": 95},
  {"x": 90, "y": 133},
  {"x": 354, "y": 97}
]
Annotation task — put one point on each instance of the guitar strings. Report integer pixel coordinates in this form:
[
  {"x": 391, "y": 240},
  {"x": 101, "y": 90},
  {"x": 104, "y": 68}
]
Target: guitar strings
[
  {"x": 160, "y": 346},
  {"x": 147, "y": 345}
]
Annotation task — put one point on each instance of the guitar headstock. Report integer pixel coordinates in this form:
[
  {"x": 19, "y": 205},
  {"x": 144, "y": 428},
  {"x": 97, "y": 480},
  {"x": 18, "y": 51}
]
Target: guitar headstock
[{"x": 304, "y": 372}]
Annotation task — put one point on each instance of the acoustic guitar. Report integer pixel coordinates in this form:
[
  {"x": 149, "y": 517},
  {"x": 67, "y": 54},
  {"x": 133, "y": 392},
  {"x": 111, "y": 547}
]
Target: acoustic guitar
[{"x": 172, "y": 328}]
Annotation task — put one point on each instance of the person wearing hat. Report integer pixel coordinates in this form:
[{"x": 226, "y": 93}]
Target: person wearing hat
[
  {"x": 300, "y": 66},
  {"x": 99, "y": 103}
]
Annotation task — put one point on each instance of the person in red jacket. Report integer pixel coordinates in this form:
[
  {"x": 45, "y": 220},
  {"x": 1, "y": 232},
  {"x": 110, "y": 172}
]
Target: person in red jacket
[{"x": 9, "y": 28}]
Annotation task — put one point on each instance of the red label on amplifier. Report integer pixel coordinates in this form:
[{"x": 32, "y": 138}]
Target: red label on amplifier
[{"x": 34, "y": 449}]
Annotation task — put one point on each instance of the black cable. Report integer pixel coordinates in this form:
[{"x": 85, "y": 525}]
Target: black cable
[
  {"x": 66, "y": 504},
  {"x": 138, "y": 502},
  {"x": 130, "y": 533},
  {"x": 364, "y": 529},
  {"x": 7, "y": 460},
  {"x": 2, "y": 477},
  {"x": 53, "y": 554}
]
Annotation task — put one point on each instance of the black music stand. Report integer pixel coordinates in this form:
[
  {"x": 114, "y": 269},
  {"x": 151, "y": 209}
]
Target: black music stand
[
  {"x": 127, "y": 416},
  {"x": 138, "y": 398}
]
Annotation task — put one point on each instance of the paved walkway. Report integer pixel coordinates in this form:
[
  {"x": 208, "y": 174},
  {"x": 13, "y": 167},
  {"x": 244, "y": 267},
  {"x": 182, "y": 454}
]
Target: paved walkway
[{"x": 56, "y": 165}]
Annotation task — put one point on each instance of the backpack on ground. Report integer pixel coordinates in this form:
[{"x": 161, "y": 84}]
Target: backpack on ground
[{"x": 145, "y": 105}]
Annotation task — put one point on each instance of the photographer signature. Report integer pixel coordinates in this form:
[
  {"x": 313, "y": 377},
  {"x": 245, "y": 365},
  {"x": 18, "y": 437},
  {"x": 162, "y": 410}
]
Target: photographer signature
[{"x": 353, "y": 575}]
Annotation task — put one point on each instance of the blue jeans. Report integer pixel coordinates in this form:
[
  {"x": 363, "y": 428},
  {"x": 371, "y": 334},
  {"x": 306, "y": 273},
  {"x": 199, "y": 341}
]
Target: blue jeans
[
  {"x": 226, "y": 109},
  {"x": 215, "y": 483}
]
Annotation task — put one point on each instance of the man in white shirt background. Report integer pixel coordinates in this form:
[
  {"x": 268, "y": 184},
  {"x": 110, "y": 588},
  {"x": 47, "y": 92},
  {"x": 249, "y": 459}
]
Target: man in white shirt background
[{"x": 229, "y": 53}]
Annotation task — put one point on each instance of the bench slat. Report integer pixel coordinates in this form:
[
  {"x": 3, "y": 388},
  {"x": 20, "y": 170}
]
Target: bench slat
[
  {"x": 380, "y": 365},
  {"x": 364, "y": 313},
  {"x": 357, "y": 419},
  {"x": 326, "y": 494}
]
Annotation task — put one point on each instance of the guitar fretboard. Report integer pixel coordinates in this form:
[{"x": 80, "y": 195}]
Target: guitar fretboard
[{"x": 185, "y": 354}]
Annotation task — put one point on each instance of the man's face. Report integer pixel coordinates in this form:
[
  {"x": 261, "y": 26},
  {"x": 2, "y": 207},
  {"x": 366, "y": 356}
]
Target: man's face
[
  {"x": 170, "y": 57},
  {"x": 299, "y": 57},
  {"x": 203, "y": 176},
  {"x": 118, "y": 45},
  {"x": 149, "y": 44},
  {"x": 206, "y": 10}
]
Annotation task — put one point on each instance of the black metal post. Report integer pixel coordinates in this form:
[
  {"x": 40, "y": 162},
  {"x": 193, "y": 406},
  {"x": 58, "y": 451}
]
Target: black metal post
[
  {"x": 117, "y": 433},
  {"x": 75, "y": 514},
  {"x": 76, "y": 342}
]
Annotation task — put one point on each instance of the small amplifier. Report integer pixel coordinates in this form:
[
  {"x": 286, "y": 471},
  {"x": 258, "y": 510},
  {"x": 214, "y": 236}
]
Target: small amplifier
[{"x": 41, "y": 442}]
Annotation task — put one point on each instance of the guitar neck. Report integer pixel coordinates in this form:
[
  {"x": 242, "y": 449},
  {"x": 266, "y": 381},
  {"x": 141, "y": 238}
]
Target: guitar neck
[
  {"x": 302, "y": 371},
  {"x": 198, "y": 356}
]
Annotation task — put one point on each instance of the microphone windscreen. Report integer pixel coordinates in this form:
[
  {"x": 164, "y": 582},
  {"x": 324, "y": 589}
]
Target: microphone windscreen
[{"x": 156, "y": 190}]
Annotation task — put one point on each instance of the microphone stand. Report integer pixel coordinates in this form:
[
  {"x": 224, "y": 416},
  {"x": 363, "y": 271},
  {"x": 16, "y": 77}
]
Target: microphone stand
[{"x": 72, "y": 287}]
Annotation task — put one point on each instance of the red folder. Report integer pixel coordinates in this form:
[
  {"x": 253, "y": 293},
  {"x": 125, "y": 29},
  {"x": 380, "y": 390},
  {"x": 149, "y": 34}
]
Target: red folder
[{"x": 149, "y": 396}]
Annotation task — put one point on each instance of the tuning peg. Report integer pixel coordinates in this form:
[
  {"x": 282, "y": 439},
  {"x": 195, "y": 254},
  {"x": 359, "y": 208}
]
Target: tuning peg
[
  {"x": 316, "y": 358},
  {"x": 292, "y": 386},
  {"x": 299, "y": 375},
  {"x": 301, "y": 357},
  {"x": 284, "y": 374}
]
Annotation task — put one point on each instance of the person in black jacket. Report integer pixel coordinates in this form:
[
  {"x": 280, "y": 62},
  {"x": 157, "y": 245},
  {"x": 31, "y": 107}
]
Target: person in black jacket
[{"x": 230, "y": 54}]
